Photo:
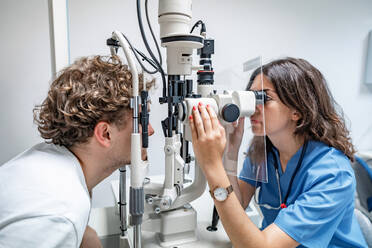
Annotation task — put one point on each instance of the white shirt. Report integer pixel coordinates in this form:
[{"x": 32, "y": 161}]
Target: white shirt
[{"x": 44, "y": 200}]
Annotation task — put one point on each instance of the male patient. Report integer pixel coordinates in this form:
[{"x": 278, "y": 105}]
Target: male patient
[{"x": 45, "y": 192}]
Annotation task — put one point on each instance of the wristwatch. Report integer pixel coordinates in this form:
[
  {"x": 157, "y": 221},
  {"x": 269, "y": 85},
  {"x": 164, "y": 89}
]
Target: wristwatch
[{"x": 221, "y": 194}]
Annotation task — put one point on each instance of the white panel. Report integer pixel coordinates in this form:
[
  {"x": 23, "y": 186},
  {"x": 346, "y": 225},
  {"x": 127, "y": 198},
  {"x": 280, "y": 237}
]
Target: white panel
[
  {"x": 58, "y": 21},
  {"x": 368, "y": 76},
  {"x": 25, "y": 72}
]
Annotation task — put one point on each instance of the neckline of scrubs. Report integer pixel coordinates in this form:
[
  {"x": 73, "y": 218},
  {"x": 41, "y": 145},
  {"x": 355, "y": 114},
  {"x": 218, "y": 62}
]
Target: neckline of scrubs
[{"x": 285, "y": 177}]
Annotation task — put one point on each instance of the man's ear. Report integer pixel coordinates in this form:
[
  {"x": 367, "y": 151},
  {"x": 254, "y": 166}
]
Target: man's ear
[{"x": 102, "y": 133}]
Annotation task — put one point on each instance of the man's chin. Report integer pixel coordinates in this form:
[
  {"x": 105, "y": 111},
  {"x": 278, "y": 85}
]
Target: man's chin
[
  {"x": 143, "y": 157},
  {"x": 144, "y": 154}
]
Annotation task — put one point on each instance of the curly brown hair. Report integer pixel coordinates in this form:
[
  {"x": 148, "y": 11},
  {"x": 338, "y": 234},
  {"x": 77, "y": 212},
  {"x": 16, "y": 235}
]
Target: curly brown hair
[
  {"x": 302, "y": 87},
  {"x": 91, "y": 90}
]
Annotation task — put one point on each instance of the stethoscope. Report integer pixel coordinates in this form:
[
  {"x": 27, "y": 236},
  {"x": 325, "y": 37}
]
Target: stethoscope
[{"x": 283, "y": 204}]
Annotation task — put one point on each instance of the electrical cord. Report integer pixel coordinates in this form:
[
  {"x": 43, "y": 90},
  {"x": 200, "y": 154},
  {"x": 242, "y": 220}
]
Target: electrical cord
[
  {"x": 135, "y": 51},
  {"x": 203, "y": 29},
  {"x": 148, "y": 60},
  {"x": 195, "y": 25},
  {"x": 152, "y": 33},
  {"x": 148, "y": 47}
]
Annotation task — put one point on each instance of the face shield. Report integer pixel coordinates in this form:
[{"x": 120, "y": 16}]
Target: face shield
[{"x": 245, "y": 153}]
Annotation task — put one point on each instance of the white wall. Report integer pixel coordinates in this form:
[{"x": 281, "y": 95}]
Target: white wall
[
  {"x": 25, "y": 71},
  {"x": 331, "y": 34}
]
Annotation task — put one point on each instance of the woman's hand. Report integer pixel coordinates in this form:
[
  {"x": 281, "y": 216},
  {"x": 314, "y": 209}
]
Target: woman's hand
[
  {"x": 234, "y": 136},
  {"x": 208, "y": 137}
]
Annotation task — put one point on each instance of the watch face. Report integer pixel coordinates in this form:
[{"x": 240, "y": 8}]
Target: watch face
[{"x": 220, "y": 194}]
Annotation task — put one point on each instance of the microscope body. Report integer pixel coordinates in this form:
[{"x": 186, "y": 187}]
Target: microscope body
[
  {"x": 163, "y": 207},
  {"x": 167, "y": 208}
]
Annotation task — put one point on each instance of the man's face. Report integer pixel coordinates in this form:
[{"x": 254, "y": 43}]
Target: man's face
[{"x": 120, "y": 152}]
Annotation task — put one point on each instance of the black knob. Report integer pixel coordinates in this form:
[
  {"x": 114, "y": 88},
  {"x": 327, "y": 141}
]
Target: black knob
[
  {"x": 188, "y": 87},
  {"x": 230, "y": 112}
]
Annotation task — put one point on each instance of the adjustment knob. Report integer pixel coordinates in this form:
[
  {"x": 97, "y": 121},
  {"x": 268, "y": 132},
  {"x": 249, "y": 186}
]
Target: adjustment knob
[{"x": 230, "y": 112}]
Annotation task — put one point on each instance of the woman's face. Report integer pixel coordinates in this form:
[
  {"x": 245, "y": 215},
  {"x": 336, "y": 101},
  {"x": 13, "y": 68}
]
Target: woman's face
[{"x": 278, "y": 118}]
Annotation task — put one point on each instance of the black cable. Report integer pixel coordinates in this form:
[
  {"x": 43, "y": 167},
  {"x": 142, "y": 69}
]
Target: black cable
[
  {"x": 196, "y": 25},
  {"x": 148, "y": 47},
  {"x": 148, "y": 60},
  {"x": 152, "y": 33},
  {"x": 143, "y": 56}
]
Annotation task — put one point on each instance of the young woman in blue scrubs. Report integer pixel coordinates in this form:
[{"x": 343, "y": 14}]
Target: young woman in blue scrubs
[{"x": 309, "y": 198}]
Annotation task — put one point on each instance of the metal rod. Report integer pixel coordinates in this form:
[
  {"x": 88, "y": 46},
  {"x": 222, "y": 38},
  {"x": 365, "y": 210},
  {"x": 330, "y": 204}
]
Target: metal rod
[
  {"x": 137, "y": 236},
  {"x": 123, "y": 201},
  {"x": 135, "y": 114}
]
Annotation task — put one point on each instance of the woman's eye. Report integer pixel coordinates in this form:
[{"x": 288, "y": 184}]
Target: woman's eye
[{"x": 268, "y": 98}]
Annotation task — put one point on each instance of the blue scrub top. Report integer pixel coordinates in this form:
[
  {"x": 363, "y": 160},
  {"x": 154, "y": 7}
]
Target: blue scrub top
[{"x": 320, "y": 206}]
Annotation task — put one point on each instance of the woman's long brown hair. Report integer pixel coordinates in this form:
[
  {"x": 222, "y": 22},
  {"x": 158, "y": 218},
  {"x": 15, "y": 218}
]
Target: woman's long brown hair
[{"x": 302, "y": 87}]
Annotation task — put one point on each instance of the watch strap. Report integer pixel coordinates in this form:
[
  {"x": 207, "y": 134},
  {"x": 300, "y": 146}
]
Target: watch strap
[{"x": 229, "y": 189}]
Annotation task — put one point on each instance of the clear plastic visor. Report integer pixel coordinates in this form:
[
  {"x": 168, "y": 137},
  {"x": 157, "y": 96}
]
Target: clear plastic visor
[{"x": 245, "y": 153}]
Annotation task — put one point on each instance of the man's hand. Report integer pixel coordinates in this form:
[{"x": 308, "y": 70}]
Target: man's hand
[
  {"x": 208, "y": 137},
  {"x": 90, "y": 239}
]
